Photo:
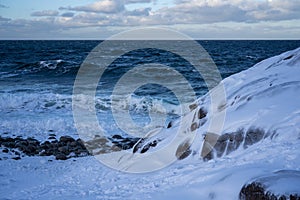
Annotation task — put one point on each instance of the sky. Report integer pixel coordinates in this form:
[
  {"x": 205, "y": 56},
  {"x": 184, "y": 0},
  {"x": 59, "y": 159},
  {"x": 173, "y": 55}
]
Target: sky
[{"x": 199, "y": 19}]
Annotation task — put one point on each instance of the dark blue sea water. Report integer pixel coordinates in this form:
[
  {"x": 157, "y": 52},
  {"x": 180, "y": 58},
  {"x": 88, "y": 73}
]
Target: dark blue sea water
[{"x": 37, "y": 78}]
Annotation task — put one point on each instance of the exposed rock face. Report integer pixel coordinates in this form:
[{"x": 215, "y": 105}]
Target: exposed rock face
[
  {"x": 263, "y": 187},
  {"x": 183, "y": 150},
  {"x": 217, "y": 146}
]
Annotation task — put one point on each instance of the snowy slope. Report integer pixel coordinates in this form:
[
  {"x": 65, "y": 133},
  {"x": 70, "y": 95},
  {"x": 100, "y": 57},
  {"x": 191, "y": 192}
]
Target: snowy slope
[{"x": 266, "y": 96}]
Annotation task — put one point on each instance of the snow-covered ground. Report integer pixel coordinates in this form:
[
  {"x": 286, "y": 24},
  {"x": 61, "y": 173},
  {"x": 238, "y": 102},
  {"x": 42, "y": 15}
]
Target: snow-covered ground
[{"x": 265, "y": 96}]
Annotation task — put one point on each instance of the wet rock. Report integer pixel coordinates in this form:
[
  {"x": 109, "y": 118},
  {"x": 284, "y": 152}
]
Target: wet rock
[{"x": 16, "y": 158}]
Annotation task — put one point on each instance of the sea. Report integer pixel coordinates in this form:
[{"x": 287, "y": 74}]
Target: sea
[{"x": 37, "y": 81}]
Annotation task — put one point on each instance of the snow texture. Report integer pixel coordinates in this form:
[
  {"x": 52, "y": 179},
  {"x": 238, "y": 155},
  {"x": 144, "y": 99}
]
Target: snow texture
[{"x": 265, "y": 96}]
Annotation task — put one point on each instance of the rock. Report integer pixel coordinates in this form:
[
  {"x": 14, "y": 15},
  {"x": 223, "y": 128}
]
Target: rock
[
  {"x": 31, "y": 147},
  {"x": 194, "y": 126},
  {"x": 138, "y": 145},
  {"x": 202, "y": 113},
  {"x": 61, "y": 156},
  {"x": 215, "y": 145},
  {"x": 263, "y": 187},
  {"x": 16, "y": 158},
  {"x": 30, "y": 150},
  {"x": 66, "y": 139},
  {"x": 63, "y": 150},
  {"x": 51, "y": 138},
  {"x": 183, "y": 150},
  {"x": 148, "y": 146},
  {"x": 193, "y": 106},
  {"x": 5, "y": 150},
  {"x": 169, "y": 125},
  {"x": 117, "y": 137},
  {"x": 254, "y": 135}
]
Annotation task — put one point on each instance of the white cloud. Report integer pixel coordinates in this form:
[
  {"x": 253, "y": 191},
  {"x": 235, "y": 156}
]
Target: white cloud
[{"x": 105, "y": 6}]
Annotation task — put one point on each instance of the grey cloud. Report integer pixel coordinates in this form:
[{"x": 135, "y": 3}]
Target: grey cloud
[
  {"x": 45, "y": 13},
  {"x": 138, "y": 12},
  {"x": 137, "y": 1},
  {"x": 4, "y": 19},
  {"x": 68, "y": 14}
]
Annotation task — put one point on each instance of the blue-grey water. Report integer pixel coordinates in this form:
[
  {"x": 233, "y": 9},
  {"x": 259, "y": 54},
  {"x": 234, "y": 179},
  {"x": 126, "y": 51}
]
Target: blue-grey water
[{"x": 37, "y": 78}]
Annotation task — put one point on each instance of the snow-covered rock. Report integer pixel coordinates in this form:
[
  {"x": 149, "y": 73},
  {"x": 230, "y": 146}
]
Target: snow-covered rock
[
  {"x": 261, "y": 102},
  {"x": 284, "y": 184}
]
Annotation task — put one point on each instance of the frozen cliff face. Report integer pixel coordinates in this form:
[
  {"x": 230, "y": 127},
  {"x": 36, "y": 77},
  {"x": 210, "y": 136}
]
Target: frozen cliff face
[{"x": 261, "y": 102}]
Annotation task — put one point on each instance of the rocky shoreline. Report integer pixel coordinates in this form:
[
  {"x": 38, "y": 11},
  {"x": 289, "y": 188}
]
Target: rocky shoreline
[{"x": 63, "y": 148}]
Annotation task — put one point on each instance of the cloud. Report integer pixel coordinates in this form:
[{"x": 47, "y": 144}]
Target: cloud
[
  {"x": 45, "y": 13},
  {"x": 137, "y": 1},
  {"x": 68, "y": 14},
  {"x": 3, "y": 19},
  {"x": 139, "y": 12},
  {"x": 114, "y": 14},
  {"x": 105, "y": 6}
]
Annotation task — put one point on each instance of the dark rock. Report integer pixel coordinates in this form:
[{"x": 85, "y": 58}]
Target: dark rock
[
  {"x": 169, "y": 125},
  {"x": 30, "y": 150},
  {"x": 289, "y": 57},
  {"x": 51, "y": 138},
  {"x": 215, "y": 145},
  {"x": 202, "y": 113},
  {"x": 63, "y": 150},
  {"x": 148, "y": 146},
  {"x": 258, "y": 188},
  {"x": 66, "y": 139},
  {"x": 183, "y": 150},
  {"x": 119, "y": 137},
  {"x": 193, "y": 106},
  {"x": 60, "y": 156},
  {"x": 32, "y": 147},
  {"x": 138, "y": 145},
  {"x": 253, "y": 136},
  {"x": 16, "y": 158},
  {"x": 5, "y": 150},
  {"x": 194, "y": 126}
]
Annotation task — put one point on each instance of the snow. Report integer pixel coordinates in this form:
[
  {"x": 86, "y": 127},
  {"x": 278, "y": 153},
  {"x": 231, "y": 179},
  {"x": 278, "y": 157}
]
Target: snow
[{"x": 265, "y": 96}]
